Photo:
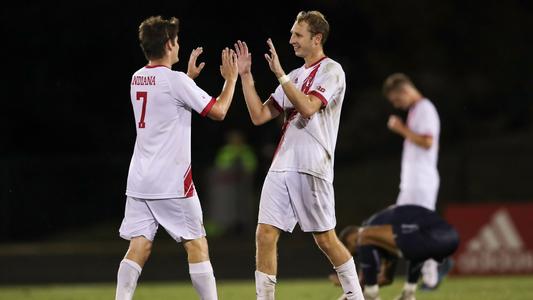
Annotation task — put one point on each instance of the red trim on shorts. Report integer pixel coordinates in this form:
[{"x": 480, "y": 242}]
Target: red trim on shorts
[
  {"x": 208, "y": 107},
  {"x": 319, "y": 96}
]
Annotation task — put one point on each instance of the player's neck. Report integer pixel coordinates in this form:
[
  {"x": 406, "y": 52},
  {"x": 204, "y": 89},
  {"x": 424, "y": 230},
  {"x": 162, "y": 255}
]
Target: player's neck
[
  {"x": 417, "y": 98},
  {"x": 165, "y": 61},
  {"x": 313, "y": 58}
]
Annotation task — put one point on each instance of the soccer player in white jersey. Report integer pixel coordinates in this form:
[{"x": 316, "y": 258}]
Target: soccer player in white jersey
[
  {"x": 160, "y": 189},
  {"x": 419, "y": 175},
  {"x": 299, "y": 184}
]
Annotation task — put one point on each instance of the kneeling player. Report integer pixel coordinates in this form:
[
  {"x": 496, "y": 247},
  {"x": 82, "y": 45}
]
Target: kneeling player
[{"x": 409, "y": 231}]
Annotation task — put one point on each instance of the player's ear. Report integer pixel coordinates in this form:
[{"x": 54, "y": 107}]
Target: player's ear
[{"x": 318, "y": 38}]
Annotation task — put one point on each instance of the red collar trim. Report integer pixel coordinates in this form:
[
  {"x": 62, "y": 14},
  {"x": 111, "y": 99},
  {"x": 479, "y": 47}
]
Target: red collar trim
[
  {"x": 317, "y": 62},
  {"x": 155, "y": 66}
]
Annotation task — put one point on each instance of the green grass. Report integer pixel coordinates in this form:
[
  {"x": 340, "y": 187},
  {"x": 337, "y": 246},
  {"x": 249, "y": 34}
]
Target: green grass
[{"x": 476, "y": 288}]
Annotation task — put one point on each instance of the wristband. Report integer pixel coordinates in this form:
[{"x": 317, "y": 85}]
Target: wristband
[{"x": 284, "y": 79}]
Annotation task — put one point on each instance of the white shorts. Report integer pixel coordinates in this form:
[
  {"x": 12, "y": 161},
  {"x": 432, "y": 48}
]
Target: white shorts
[
  {"x": 288, "y": 198},
  {"x": 426, "y": 197},
  {"x": 181, "y": 218}
]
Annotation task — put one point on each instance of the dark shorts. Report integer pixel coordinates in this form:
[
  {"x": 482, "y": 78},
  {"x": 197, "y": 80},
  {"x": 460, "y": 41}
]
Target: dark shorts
[{"x": 419, "y": 232}]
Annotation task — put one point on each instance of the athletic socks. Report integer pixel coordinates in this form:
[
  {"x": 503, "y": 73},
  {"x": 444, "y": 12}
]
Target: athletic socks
[
  {"x": 203, "y": 280},
  {"x": 349, "y": 280},
  {"x": 265, "y": 286},
  {"x": 369, "y": 260},
  {"x": 128, "y": 273}
]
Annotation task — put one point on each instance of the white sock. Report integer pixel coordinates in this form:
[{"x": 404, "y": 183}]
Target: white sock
[
  {"x": 128, "y": 273},
  {"x": 265, "y": 286},
  {"x": 409, "y": 287},
  {"x": 430, "y": 274},
  {"x": 372, "y": 290},
  {"x": 203, "y": 280},
  {"x": 349, "y": 280}
]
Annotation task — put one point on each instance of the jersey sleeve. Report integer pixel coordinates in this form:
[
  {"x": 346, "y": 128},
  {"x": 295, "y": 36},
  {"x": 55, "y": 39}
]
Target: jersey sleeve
[
  {"x": 327, "y": 82},
  {"x": 186, "y": 92},
  {"x": 426, "y": 121},
  {"x": 278, "y": 97}
]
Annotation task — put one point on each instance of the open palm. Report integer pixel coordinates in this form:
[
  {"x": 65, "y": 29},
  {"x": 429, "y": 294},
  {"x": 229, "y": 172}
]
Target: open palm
[{"x": 244, "y": 58}]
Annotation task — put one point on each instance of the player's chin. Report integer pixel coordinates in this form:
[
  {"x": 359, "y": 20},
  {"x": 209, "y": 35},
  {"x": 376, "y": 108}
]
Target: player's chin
[{"x": 299, "y": 53}]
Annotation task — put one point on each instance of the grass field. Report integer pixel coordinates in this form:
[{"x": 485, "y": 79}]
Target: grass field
[{"x": 478, "y": 288}]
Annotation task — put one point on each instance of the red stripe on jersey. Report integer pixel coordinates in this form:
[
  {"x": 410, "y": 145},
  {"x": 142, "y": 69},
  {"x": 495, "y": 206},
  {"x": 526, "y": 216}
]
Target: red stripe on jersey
[
  {"x": 276, "y": 105},
  {"x": 188, "y": 185},
  {"x": 319, "y": 96},
  {"x": 309, "y": 80},
  {"x": 208, "y": 107},
  {"x": 291, "y": 116}
]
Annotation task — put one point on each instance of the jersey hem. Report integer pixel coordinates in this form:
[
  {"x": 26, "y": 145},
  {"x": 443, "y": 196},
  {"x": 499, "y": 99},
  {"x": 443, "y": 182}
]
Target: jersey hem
[
  {"x": 156, "y": 196},
  {"x": 308, "y": 172}
]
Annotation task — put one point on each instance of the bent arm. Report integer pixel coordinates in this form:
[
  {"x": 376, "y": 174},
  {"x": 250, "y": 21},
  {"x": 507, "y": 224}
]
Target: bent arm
[
  {"x": 220, "y": 108},
  {"x": 306, "y": 105},
  {"x": 421, "y": 140},
  {"x": 260, "y": 112}
]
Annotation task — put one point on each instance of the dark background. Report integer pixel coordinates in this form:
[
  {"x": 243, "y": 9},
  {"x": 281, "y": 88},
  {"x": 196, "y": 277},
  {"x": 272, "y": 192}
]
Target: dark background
[{"x": 68, "y": 128}]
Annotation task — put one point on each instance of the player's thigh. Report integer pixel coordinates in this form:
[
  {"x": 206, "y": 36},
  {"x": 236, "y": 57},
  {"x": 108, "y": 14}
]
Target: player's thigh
[
  {"x": 313, "y": 200},
  {"x": 275, "y": 207},
  {"x": 181, "y": 217},
  {"x": 138, "y": 220}
]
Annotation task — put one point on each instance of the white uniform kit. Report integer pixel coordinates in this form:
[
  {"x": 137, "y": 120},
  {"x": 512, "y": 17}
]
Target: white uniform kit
[
  {"x": 420, "y": 177},
  {"x": 160, "y": 189},
  {"x": 299, "y": 184}
]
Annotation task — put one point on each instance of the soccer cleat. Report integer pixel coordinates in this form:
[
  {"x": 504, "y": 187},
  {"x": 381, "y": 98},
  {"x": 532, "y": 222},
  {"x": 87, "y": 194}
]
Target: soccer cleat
[
  {"x": 371, "y": 296},
  {"x": 444, "y": 268},
  {"x": 406, "y": 295}
]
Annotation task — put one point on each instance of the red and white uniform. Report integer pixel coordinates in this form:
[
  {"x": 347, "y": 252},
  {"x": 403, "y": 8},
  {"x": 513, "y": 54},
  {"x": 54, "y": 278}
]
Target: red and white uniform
[
  {"x": 420, "y": 177},
  {"x": 162, "y": 102},
  {"x": 299, "y": 185},
  {"x": 308, "y": 145},
  {"x": 160, "y": 189}
]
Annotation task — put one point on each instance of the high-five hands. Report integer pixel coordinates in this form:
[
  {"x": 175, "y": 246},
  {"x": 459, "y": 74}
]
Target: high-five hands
[
  {"x": 273, "y": 60},
  {"x": 192, "y": 70},
  {"x": 229, "y": 68},
  {"x": 244, "y": 58}
]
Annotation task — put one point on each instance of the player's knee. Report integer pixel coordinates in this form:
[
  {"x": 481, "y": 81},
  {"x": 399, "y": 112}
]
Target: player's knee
[
  {"x": 266, "y": 235},
  {"x": 197, "y": 249},
  {"x": 326, "y": 241},
  {"x": 140, "y": 248}
]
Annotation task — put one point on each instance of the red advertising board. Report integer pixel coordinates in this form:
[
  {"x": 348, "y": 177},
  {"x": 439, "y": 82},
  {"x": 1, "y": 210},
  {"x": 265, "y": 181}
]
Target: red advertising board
[{"x": 495, "y": 238}]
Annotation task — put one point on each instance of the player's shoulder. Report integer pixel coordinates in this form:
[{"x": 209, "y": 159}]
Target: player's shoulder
[
  {"x": 331, "y": 65},
  {"x": 427, "y": 105}
]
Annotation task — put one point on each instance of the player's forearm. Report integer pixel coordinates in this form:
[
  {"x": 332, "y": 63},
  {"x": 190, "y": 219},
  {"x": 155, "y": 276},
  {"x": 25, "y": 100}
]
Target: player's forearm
[
  {"x": 252, "y": 99},
  {"x": 423, "y": 141},
  {"x": 224, "y": 99},
  {"x": 304, "y": 104}
]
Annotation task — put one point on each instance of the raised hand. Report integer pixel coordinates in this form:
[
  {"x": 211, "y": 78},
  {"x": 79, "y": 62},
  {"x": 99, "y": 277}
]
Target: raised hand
[
  {"x": 229, "y": 68},
  {"x": 395, "y": 124},
  {"x": 192, "y": 70},
  {"x": 273, "y": 60},
  {"x": 244, "y": 58}
]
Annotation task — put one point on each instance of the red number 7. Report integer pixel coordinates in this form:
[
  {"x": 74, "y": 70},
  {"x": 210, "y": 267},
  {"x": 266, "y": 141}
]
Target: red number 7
[{"x": 144, "y": 97}]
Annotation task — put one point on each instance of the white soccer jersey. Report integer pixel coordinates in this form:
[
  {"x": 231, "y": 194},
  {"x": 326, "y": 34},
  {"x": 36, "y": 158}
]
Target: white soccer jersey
[
  {"x": 162, "y": 101},
  {"x": 419, "y": 165},
  {"x": 307, "y": 145}
]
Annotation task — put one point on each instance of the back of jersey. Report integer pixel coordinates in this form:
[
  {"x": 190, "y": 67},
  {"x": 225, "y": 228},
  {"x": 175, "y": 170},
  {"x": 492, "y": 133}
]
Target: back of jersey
[{"x": 160, "y": 165}]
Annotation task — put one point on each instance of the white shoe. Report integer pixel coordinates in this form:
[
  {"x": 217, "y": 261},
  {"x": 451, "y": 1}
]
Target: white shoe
[
  {"x": 406, "y": 295},
  {"x": 370, "y": 296}
]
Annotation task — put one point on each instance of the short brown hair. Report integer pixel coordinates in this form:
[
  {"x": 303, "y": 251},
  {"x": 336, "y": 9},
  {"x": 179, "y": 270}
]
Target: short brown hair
[
  {"x": 317, "y": 23},
  {"x": 395, "y": 81},
  {"x": 154, "y": 33}
]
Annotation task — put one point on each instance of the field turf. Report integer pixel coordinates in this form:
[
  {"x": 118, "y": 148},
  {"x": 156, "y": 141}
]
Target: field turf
[{"x": 472, "y": 288}]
